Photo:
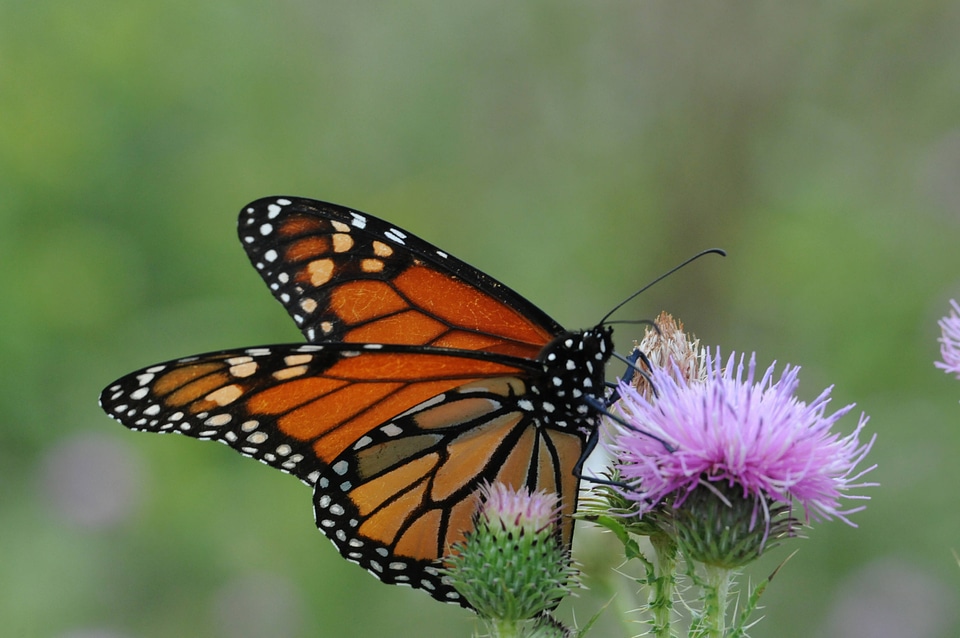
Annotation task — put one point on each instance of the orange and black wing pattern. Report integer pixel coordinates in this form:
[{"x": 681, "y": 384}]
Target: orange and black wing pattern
[
  {"x": 422, "y": 380},
  {"x": 395, "y": 440},
  {"x": 348, "y": 276}
]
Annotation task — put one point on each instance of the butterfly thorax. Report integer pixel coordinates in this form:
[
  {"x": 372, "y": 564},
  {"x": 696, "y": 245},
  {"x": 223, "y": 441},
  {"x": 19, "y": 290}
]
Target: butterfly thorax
[{"x": 572, "y": 382}]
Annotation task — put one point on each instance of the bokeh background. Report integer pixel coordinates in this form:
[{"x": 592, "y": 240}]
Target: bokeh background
[{"x": 573, "y": 150}]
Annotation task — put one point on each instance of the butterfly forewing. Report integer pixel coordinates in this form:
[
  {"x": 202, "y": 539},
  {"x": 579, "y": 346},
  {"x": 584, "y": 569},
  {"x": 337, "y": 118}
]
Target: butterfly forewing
[
  {"x": 295, "y": 407},
  {"x": 348, "y": 276}
]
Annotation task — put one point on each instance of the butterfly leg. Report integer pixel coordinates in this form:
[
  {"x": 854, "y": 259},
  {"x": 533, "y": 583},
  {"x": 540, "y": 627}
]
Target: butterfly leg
[
  {"x": 595, "y": 434},
  {"x": 632, "y": 370},
  {"x": 589, "y": 447}
]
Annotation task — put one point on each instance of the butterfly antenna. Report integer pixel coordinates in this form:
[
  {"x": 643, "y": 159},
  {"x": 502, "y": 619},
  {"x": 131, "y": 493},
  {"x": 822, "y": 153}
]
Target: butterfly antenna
[
  {"x": 718, "y": 251},
  {"x": 634, "y": 322}
]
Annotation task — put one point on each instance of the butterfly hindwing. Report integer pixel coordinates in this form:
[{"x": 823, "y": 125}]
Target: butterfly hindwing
[
  {"x": 348, "y": 276},
  {"x": 397, "y": 500}
]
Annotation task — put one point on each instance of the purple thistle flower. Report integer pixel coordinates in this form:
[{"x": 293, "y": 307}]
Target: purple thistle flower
[
  {"x": 757, "y": 438},
  {"x": 950, "y": 341}
]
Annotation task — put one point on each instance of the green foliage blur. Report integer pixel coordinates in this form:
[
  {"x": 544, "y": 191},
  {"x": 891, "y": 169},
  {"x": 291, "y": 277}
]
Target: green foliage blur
[{"x": 573, "y": 150}]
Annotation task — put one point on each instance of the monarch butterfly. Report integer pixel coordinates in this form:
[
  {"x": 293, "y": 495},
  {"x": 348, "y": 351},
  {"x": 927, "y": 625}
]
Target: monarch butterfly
[{"x": 422, "y": 378}]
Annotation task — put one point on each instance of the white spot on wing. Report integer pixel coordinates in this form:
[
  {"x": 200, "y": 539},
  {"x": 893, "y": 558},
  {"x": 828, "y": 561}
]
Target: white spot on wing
[
  {"x": 309, "y": 348},
  {"x": 358, "y": 220},
  {"x": 395, "y": 235}
]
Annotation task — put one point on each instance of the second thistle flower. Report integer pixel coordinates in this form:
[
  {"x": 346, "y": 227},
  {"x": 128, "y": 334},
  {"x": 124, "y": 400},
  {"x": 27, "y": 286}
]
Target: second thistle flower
[{"x": 730, "y": 448}]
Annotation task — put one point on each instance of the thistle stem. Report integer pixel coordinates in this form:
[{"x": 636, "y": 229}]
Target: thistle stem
[
  {"x": 661, "y": 600},
  {"x": 505, "y": 628},
  {"x": 716, "y": 592}
]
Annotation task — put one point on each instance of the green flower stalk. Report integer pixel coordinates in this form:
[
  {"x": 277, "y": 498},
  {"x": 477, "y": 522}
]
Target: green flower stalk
[{"x": 512, "y": 567}]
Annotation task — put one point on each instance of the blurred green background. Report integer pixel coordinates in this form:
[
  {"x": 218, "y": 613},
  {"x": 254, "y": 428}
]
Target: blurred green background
[{"x": 572, "y": 150}]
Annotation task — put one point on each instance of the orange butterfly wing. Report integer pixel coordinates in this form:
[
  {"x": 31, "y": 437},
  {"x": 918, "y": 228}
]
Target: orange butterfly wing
[{"x": 348, "y": 276}]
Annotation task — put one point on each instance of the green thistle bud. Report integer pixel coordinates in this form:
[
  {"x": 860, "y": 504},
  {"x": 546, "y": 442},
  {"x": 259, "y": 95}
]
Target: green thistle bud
[{"x": 512, "y": 566}]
